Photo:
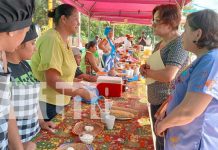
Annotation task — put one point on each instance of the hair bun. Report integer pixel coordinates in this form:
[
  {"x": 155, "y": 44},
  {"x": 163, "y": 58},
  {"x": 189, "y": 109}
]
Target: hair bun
[{"x": 51, "y": 13}]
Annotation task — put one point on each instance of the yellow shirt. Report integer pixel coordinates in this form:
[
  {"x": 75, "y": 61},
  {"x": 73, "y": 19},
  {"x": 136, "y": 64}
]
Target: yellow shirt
[{"x": 52, "y": 53}]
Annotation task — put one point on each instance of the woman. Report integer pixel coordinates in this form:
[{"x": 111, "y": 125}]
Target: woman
[
  {"x": 54, "y": 63},
  {"x": 166, "y": 19},
  {"x": 89, "y": 62},
  {"x": 79, "y": 74},
  {"x": 15, "y": 18},
  {"x": 108, "y": 48},
  {"x": 25, "y": 89},
  {"x": 191, "y": 121}
]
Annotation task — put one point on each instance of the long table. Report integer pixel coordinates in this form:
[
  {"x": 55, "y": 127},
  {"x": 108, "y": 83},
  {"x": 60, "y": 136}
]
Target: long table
[{"x": 132, "y": 134}]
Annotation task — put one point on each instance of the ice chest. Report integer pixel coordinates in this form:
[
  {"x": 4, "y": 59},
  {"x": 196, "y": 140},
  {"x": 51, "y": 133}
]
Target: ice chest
[{"x": 109, "y": 86}]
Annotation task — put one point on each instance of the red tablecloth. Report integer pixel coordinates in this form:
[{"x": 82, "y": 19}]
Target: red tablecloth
[{"x": 128, "y": 134}]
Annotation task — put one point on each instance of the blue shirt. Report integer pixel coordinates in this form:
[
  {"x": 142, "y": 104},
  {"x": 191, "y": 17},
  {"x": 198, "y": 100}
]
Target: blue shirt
[{"x": 202, "y": 132}]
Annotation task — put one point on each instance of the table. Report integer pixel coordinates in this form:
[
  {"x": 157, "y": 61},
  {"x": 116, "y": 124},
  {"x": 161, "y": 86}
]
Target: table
[{"x": 132, "y": 134}]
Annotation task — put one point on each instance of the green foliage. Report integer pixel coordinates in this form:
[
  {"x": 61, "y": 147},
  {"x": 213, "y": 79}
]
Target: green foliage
[
  {"x": 40, "y": 16},
  {"x": 97, "y": 28}
]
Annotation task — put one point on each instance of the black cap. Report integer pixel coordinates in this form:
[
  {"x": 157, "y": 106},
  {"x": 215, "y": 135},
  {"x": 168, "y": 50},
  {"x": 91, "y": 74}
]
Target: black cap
[
  {"x": 31, "y": 34},
  {"x": 15, "y": 14}
]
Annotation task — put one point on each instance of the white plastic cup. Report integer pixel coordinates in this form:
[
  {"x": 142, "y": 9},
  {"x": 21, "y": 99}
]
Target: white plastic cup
[
  {"x": 110, "y": 120},
  {"x": 108, "y": 104},
  {"x": 103, "y": 114},
  {"x": 131, "y": 73},
  {"x": 128, "y": 72}
]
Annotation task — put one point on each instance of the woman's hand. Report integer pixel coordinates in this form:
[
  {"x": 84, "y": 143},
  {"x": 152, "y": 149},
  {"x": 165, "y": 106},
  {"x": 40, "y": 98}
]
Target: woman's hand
[
  {"x": 84, "y": 94},
  {"x": 77, "y": 80},
  {"x": 144, "y": 69},
  {"x": 49, "y": 126},
  {"x": 161, "y": 112},
  {"x": 112, "y": 72},
  {"x": 159, "y": 128}
]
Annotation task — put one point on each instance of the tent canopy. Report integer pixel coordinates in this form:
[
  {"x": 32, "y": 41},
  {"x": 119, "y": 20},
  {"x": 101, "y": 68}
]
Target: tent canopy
[{"x": 127, "y": 11}]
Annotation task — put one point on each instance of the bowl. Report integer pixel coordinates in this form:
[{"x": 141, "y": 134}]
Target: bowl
[{"x": 86, "y": 138}]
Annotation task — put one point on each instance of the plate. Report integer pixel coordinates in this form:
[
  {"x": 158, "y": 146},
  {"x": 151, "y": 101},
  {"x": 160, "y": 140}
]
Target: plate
[
  {"x": 79, "y": 127},
  {"x": 124, "y": 118},
  {"x": 76, "y": 146}
]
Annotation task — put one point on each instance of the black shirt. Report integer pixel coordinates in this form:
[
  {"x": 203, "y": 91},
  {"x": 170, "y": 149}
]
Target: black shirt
[{"x": 21, "y": 73}]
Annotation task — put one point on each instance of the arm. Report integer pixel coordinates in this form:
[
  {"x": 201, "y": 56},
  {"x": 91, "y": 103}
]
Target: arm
[
  {"x": 102, "y": 44},
  {"x": 193, "y": 105},
  {"x": 92, "y": 62},
  {"x": 165, "y": 75},
  {"x": 88, "y": 77},
  {"x": 53, "y": 77},
  {"x": 48, "y": 125},
  {"x": 13, "y": 134}
]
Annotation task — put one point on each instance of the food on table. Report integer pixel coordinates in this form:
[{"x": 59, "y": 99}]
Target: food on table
[
  {"x": 124, "y": 109},
  {"x": 121, "y": 114},
  {"x": 79, "y": 127},
  {"x": 89, "y": 128},
  {"x": 70, "y": 148},
  {"x": 101, "y": 73},
  {"x": 86, "y": 138}
]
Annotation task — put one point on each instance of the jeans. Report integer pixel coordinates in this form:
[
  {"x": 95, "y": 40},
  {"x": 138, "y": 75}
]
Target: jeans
[{"x": 49, "y": 111}]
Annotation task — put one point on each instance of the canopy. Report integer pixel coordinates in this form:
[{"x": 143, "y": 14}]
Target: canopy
[{"x": 127, "y": 11}]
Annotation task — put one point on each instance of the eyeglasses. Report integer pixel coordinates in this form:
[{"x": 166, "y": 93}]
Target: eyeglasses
[{"x": 156, "y": 21}]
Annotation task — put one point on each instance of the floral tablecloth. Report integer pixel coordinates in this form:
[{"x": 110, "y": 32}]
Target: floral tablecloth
[{"x": 132, "y": 134}]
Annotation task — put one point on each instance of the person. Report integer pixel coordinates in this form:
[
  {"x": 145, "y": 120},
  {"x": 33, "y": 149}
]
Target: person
[
  {"x": 89, "y": 64},
  {"x": 142, "y": 39},
  {"x": 97, "y": 39},
  {"x": 191, "y": 120},
  {"x": 166, "y": 19},
  {"x": 79, "y": 74},
  {"x": 107, "y": 45},
  {"x": 54, "y": 63},
  {"x": 15, "y": 19},
  {"x": 25, "y": 89},
  {"x": 128, "y": 42}
]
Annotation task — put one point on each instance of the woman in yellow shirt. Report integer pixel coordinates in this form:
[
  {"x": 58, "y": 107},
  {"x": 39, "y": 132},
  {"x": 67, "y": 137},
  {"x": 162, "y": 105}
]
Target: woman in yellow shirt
[{"x": 54, "y": 63}]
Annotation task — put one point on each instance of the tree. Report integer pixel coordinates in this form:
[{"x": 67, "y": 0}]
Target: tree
[{"x": 97, "y": 28}]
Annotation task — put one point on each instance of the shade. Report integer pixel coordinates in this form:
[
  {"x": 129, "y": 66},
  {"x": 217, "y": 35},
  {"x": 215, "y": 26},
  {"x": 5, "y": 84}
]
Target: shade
[{"x": 127, "y": 11}]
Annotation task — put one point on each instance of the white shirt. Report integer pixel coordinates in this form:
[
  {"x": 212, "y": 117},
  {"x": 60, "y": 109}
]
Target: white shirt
[{"x": 127, "y": 44}]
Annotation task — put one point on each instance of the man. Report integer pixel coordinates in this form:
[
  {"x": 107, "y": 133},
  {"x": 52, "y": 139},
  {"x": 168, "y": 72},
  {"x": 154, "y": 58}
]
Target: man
[{"x": 142, "y": 39}]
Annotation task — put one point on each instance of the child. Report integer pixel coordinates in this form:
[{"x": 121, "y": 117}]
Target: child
[
  {"x": 79, "y": 74},
  {"x": 25, "y": 90},
  {"x": 15, "y": 18}
]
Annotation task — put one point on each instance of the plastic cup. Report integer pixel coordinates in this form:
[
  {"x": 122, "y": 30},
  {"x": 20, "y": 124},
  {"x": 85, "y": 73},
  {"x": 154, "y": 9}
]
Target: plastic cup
[
  {"x": 110, "y": 120},
  {"x": 103, "y": 114},
  {"x": 108, "y": 104}
]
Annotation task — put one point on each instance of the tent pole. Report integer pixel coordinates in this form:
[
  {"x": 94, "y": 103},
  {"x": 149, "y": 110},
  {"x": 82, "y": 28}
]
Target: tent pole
[
  {"x": 113, "y": 28},
  {"x": 89, "y": 23},
  {"x": 79, "y": 34},
  {"x": 50, "y": 7}
]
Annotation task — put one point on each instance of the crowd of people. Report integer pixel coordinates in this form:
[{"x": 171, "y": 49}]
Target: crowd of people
[{"x": 183, "y": 98}]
